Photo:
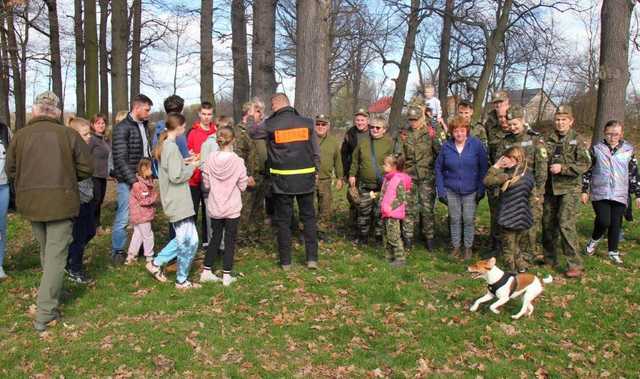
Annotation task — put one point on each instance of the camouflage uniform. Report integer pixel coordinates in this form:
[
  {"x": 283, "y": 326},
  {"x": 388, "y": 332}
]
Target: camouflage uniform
[
  {"x": 330, "y": 164},
  {"x": 252, "y": 201},
  {"x": 562, "y": 196},
  {"x": 495, "y": 135},
  {"x": 478, "y": 131}
]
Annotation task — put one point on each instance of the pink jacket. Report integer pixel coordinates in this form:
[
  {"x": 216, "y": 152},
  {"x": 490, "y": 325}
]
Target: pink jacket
[
  {"x": 390, "y": 195},
  {"x": 141, "y": 201},
  {"x": 225, "y": 176}
]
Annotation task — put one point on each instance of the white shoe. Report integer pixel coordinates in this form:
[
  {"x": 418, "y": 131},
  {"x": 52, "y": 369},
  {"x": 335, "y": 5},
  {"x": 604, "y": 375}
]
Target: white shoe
[
  {"x": 227, "y": 279},
  {"x": 208, "y": 276},
  {"x": 615, "y": 257},
  {"x": 3, "y": 275},
  {"x": 591, "y": 246},
  {"x": 187, "y": 285}
]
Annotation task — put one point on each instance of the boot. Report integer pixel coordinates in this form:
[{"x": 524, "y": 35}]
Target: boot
[
  {"x": 408, "y": 243},
  {"x": 456, "y": 253},
  {"x": 362, "y": 240},
  {"x": 574, "y": 273},
  {"x": 429, "y": 244},
  {"x": 467, "y": 253}
]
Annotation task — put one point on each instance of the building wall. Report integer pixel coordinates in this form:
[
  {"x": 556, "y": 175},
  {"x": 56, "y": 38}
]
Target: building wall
[{"x": 531, "y": 109}]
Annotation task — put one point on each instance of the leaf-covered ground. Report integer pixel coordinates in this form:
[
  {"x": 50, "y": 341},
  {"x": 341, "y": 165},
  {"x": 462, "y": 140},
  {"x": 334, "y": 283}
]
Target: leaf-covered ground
[{"x": 355, "y": 317}]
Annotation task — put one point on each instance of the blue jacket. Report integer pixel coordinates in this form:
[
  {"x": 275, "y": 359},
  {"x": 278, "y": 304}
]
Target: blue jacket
[
  {"x": 181, "y": 141},
  {"x": 461, "y": 173}
]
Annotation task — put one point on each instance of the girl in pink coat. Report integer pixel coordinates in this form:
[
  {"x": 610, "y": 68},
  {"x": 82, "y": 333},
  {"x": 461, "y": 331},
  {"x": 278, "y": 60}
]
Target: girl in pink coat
[
  {"x": 394, "y": 195},
  {"x": 224, "y": 175},
  {"x": 141, "y": 212}
]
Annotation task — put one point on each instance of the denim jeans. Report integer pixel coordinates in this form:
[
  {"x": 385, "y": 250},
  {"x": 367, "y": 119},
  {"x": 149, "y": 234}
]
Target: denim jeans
[
  {"x": 4, "y": 205},
  {"x": 462, "y": 211},
  {"x": 121, "y": 220},
  {"x": 183, "y": 247}
]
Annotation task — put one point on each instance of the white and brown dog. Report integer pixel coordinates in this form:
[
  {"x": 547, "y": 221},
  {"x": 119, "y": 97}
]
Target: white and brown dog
[{"x": 506, "y": 286}]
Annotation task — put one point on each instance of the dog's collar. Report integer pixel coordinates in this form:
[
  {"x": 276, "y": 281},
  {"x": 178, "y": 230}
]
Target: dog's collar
[{"x": 493, "y": 288}]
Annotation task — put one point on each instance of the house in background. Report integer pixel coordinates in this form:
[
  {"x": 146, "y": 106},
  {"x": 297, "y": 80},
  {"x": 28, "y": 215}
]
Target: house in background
[{"x": 530, "y": 99}]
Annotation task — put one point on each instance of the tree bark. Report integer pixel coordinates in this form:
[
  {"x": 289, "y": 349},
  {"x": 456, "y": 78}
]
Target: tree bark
[
  {"x": 239, "y": 54},
  {"x": 119, "y": 44},
  {"x": 80, "y": 63},
  {"x": 5, "y": 111},
  {"x": 54, "y": 50},
  {"x": 104, "y": 58},
  {"x": 615, "y": 21},
  {"x": 206, "y": 52},
  {"x": 91, "y": 57},
  {"x": 263, "y": 63},
  {"x": 19, "y": 89},
  {"x": 136, "y": 50},
  {"x": 445, "y": 46}
]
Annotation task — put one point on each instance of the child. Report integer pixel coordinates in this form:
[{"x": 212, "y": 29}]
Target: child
[
  {"x": 173, "y": 175},
  {"x": 432, "y": 103},
  {"x": 141, "y": 212},
  {"x": 84, "y": 226},
  {"x": 225, "y": 171},
  {"x": 395, "y": 189},
  {"x": 515, "y": 216}
]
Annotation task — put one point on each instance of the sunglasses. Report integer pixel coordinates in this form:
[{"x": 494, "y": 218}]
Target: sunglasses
[
  {"x": 321, "y": 124},
  {"x": 375, "y": 127}
]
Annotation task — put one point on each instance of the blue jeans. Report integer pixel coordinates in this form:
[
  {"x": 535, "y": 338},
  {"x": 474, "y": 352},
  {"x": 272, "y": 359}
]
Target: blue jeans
[
  {"x": 183, "y": 247},
  {"x": 120, "y": 222},
  {"x": 4, "y": 205},
  {"x": 462, "y": 211}
]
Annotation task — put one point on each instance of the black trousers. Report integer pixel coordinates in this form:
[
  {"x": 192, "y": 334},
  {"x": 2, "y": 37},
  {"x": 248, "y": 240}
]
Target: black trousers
[
  {"x": 197, "y": 196},
  {"x": 283, "y": 207},
  {"x": 608, "y": 218},
  {"x": 99, "y": 190},
  {"x": 230, "y": 228},
  {"x": 84, "y": 229}
]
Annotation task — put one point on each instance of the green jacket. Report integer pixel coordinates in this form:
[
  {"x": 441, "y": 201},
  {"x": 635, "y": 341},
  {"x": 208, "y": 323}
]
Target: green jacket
[
  {"x": 478, "y": 131},
  {"x": 572, "y": 152},
  {"x": 362, "y": 166},
  {"x": 246, "y": 149},
  {"x": 330, "y": 159},
  {"x": 420, "y": 152},
  {"x": 492, "y": 128},
  {"x": 45, "y": 161},
  {"x": 536, "y": 152},
  {"x": 494, "y": 145},
  {"x": 173, "y": 177}
]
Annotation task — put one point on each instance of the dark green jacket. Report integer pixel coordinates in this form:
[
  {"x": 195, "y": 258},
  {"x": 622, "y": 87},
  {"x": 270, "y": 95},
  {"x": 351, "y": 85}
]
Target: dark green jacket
[
  {"x": 362, "y": 166},
  {"x": 572, "y": 152},
  {"x": 45, "y": 162},
  {"x": 330, "y": 159}
]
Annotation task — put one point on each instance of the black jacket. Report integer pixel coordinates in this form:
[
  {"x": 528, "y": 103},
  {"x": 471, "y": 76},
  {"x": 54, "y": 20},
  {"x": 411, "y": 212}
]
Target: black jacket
[
  {"x": 515, "y": 208},
  {"x": 127, "y": 149},
  {"x": 351, "y": 139}
]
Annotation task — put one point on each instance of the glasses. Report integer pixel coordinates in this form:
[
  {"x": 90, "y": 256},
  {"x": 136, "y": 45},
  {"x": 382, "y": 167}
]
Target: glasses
[
  {"x": 375, "y": 127},
  {"x": 612, "y": 134},
  {"x": 321, "y": 124}
]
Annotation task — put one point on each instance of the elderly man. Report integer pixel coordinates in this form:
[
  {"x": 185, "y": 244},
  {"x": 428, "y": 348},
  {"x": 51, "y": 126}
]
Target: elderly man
[
  {"x": 46, "y": 182},
  {"x": 353, "y": 136},
  {"x": 330, "y": 165}
]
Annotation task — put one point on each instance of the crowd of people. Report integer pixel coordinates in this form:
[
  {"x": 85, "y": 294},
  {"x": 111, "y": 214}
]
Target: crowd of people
[{"x": 246, "y": 177}]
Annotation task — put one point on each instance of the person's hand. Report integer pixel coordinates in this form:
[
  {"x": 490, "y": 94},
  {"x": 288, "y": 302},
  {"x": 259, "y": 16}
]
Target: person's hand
[
  {"x": 479, "y": 196},
  {"x": 443, "y": 200},
  {"x": 638, "y": 202},
  {"x": 339, "y": 184},
  {"x": 501, "y": 163},
  {"x": 352, "y": 181},
  {"x": 555, "y": 168},
  {"x": 584, "y": 198},
  {"x": 251, "y": 182}
]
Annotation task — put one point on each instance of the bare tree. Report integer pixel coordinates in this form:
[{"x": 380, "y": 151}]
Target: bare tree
[
  {"x": 239, "y": 54},
  {"x": 91, "y": 57},
  {"x": 136, "y": 48},
  {"x": 5, "y": 111},
  {"x": 54, "y": 50},
  {"x": 104, "y": 58},
  {"x": 119, "y": 44},
  {"x": 445, "y": 45},
  {"x": 263, "y": 77},
  {"x": 206, "y": 52},
  {"x": 79, "y": 43}
]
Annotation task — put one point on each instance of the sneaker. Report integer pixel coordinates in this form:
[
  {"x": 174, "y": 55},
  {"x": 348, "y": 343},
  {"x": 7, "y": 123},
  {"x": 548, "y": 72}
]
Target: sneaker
[
  {"x": 79, "y": 277},
  {"x": 312, "y": 265},
  {"x": 3, "y": 275},
  {"x": 208, "y": 276},
  {"x": 187, "y": 285},
  {"x": 205, "y": 245},
  {"x": 456, "y": 253},
  {"x": 614, "y": 256},
  {"x": 227, "y": 280},
  {"x": 286, "y": 267},
  {"x": 591, "y": 247},
  {"x": 155, "y": 271},
  {"x": 130, "y": 260}
]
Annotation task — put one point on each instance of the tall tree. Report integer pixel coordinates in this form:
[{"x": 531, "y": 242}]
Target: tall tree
[
  {"x": 5, "y": 111},
  {"x": 614, "y": 63},
  {"x": 104, "y": 58},
  {"x": 91, "y": 57},
  {"x": 312, "y": 57},
  {"x": 263, "y": 62},
  {"x": 136, "y": 49},
  {"x": 54, "y": 50},
  {"x": 119, "y": 44},
  {"x": 79, "y": 43},
  {"x": 206, "y": 51},
  {"x": 239, "y": 55},
  {"x": 445, "y": 45},
  {"x": 17, "y": 57}
]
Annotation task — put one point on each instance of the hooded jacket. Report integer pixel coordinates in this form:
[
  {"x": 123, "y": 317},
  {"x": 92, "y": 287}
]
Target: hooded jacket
[
  {"x": 195, "y": 139},
  {"x": 394, "y": 190},
  {"x": 143, "y": 196},
  {"x": 225, "y": 172}
]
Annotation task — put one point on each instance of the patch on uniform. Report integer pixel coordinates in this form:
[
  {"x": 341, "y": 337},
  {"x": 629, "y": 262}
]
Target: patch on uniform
[
  {"x": 292, "y": 135},
  {"x": 543, "y": 153},
  {"x": 443, "y": 135},
  {"x": 573, "y": 142},
  {"x": 526, "y": 143}
]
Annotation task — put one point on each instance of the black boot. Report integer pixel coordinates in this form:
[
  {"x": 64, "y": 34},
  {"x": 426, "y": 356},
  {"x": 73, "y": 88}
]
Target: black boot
[
  {"x": 408, "y": 243},
  {"x": 429, "y": 244},
  {"x": 363, "y": 240}
]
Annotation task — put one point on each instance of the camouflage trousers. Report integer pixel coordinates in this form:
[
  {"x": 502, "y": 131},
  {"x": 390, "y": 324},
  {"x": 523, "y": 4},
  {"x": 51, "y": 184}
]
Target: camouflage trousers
[
  {"x": 253, "y": 213},
  {"x": 515, "y": 256},
  {"x": 368, "y": 210},
  {"x": 559, "y": 222},
  {"x": 420, "y": 209},
  {"x": 494, "y": 206},
  {"x": 325, "y": 203},
  {"x": 532, "y": 243},
  {"x": 353, "y": 211},
  {"x": 394, "y": 247}
]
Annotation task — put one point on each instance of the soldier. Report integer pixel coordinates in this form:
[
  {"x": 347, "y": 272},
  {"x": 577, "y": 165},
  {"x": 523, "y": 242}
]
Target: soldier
[
  {"x": 366, "y": 174},
  {"x": 353, "y": 136},
  {"x": 500, "y": 102},
  {"x": 536, "y": 159},
  {"x": 568, "y": 160},
  {"x": 420, "y": 150},
  {"x": 465, "y": 110},
  {"x": 330, "y": 164}
]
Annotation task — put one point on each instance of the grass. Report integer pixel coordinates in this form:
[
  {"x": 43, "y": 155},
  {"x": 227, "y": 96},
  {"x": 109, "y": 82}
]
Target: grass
[{"x": 355, "y": 317}]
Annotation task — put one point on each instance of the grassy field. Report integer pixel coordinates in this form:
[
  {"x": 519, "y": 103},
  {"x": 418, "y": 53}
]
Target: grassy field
[{"x": 355, "y": 317}]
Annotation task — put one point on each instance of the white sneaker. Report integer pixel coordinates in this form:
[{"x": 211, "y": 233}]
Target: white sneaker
[
  {"x": 615, "y": 257},
  {"x": 187, "y": 285},
  {"x": 208, "y": 276},
  {"x": 591, "y": 246},
  {"x": 3, "y": 275},
  {"x": 227, "y": 280}
]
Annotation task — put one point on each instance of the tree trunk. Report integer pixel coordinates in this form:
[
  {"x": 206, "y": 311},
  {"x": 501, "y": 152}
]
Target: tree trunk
[
  {"x": 91, "y": 57},
  {"x": 239, "y": 53},
  {"x": 19, "y": 90},
  {"x": 614, "y": 63},
  {"x": 136, "y": 51},
  {"x": 263, "y": 63},
  {"x": 5, "y": 111},
  {"x": 495, "y": 40},
  {"x": 206, "y": 52},
  {"x": 357, "y": 80},
  {"x": 54, "y": 50},
  {"x": 79, "y": 43},
  {"x": 104, "y": 58},
  {"x": 445, "y": 45},
  {"x": 405, "y": 64},
  {"x": 312, "y": 57},
  {"x": 119, "y": 44}
]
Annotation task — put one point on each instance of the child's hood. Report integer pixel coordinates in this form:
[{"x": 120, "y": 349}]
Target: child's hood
[
  {"x": 147, "y": 182},
  {"x": 224, "y": 165}
]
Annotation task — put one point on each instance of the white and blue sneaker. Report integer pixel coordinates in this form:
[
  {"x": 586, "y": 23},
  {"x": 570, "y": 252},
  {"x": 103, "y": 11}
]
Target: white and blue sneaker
[
  {"x": 614, "y": 256},
  {"x": 591, "y": 247}
]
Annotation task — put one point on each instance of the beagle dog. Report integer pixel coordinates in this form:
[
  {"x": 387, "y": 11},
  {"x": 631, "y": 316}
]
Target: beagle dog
[{"x": 506, "y": 286}]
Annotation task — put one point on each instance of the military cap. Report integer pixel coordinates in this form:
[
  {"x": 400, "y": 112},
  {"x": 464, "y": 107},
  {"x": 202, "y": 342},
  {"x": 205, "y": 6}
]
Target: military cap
[
  {"x": 500, "y": 96},
  {"x": 322, "y": 118},
  {"x": 378, "y": 121},
  {"x": 515, "y": 112},
  {"x": 414, "y": 113},
  {"x": 48, "y": 98},
  {"x": 565, "y": 110},
  {"x": 361, "y": 112}
]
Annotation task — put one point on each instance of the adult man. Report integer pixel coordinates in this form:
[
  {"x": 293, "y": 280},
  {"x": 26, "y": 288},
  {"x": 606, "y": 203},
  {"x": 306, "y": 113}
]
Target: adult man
[
  {"x": 568, "y": 159},
  {"x": 202, "y": 128},
  {"x": 130, "y": 144},
  {"x": 353, "y": 136},
  {"x": 330, "y": 165},
  {"x": 172, "y": 104},
  {"x": 465, "y": 110},
  {"x": 420, "y": 151},
  {"x": 500, "y": 103},
  {"x": 45, "y": 162},
  {"x": 366, "y": 175},
  {"x": 536, "y": 155},
  {"x": 294, "y": 161}
]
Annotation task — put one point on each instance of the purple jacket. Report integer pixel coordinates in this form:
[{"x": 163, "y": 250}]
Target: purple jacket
[{"x": 461, "y": 173}]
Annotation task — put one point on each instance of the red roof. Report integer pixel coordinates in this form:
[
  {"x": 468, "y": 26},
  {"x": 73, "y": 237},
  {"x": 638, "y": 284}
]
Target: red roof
[{"x": 381, "y": 105}]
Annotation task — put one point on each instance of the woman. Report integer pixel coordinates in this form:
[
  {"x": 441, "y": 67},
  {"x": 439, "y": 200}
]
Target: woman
[
  {"x": 5, "y": 138},
  {"x": 610, "y": 180},
  {"x": 460, "y": 169},
  {"x": 100, "y": 151}
]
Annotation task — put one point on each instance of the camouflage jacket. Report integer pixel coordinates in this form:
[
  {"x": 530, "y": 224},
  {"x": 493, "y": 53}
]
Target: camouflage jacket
[
  {"x": 420, "y": 151},
  {"x": 572, "y": 152},
  {"x": 492, "y": 128},
  {"x": 330, "y": 159},
  {"x": 478, "y": 131},
  {"x": 245, "y": 147},
  {"x": 536, "y": 152},
  {"x": 362, "y": 165},
  {"x": 495, "y": 144}
]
